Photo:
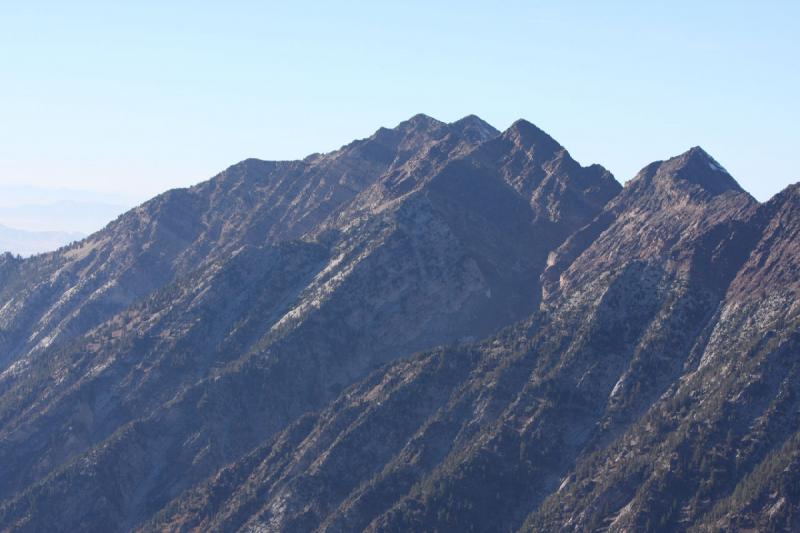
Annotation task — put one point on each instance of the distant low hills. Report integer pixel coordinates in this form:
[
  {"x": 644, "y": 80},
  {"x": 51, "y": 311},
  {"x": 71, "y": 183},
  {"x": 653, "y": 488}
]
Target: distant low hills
[
  {"x": 36, "y": 220},
  {"x": 26, "y": 243}
]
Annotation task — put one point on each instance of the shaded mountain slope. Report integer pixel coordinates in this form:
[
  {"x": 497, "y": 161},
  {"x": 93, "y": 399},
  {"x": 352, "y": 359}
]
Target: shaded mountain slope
[
  {"x": 733, "y": 408},
  {"x": 56, "y": 297},
  {"x": 441, "y": 246},
  {"x": 259, "y": 352},
  {"x": 165, "y": 327},
  {"x": 653, "y": 390}
]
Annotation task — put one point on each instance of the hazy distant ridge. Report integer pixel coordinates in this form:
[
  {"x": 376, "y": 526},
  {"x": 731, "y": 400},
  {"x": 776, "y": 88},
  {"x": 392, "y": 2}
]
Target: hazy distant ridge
[{"x": 27, "y": 243}]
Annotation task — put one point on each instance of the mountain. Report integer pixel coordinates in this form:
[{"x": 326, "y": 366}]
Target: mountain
[
  {"x": 441, "y": 327},
  {"x": 27, "y": 243}
]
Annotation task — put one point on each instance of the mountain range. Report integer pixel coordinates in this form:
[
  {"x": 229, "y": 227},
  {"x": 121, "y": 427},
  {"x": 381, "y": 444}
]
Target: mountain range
[{"x": 441, "y": 327}]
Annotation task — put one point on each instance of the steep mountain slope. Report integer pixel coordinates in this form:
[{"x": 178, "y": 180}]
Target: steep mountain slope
[
  {"x": 255, "y": 327},
  {"x": 58, "y": 296},
  {"x": 228, "y": 224},
  {"x": 655, "y": 389},
  {"x": 259, "y": 352},
  {"x": 699, "y": 457}
]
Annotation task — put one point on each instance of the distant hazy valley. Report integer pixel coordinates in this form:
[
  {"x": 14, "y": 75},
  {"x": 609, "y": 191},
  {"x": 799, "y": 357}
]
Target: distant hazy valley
[{"x": 35, "y": 220}]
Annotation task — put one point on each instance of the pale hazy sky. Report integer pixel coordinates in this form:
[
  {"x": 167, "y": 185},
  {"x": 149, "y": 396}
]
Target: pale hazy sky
[{"x": 141, "y": 97}]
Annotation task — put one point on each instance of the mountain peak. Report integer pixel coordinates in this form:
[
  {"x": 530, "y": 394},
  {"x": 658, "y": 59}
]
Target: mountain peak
[
  {"x": 420, "y": 121},
  {"x": 695, "y": 166},
  {"x": 525, "y": 134},
  {"x": 479, "y": 128},
  {"x": 697, "y": 153},
  {"x": 789, "y": 197},
  {"x": 474, "y": 120}
]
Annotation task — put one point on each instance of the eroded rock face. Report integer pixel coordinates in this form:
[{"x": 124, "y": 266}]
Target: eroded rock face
[{"x": 259, "y": 352}]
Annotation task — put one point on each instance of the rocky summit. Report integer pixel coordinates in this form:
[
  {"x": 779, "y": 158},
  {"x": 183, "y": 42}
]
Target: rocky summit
[{"x": 441, "y": 327}]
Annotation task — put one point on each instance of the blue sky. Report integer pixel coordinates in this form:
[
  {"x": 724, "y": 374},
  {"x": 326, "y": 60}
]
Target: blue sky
[{"x": 141, "y": 97}]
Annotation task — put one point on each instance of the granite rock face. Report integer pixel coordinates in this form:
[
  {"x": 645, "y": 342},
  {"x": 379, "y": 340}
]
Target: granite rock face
[{"x": 439, "y": 328}]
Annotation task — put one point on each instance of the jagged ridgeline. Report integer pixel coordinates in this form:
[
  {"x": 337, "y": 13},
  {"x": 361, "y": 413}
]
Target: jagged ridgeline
[{"x": 441, "y": 327}]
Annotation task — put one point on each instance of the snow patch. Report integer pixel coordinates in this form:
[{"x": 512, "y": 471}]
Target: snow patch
[{"x": 717, "y": 167}]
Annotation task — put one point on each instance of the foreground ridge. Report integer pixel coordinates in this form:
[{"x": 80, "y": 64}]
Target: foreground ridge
[{"x": 441, "y": 327}]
